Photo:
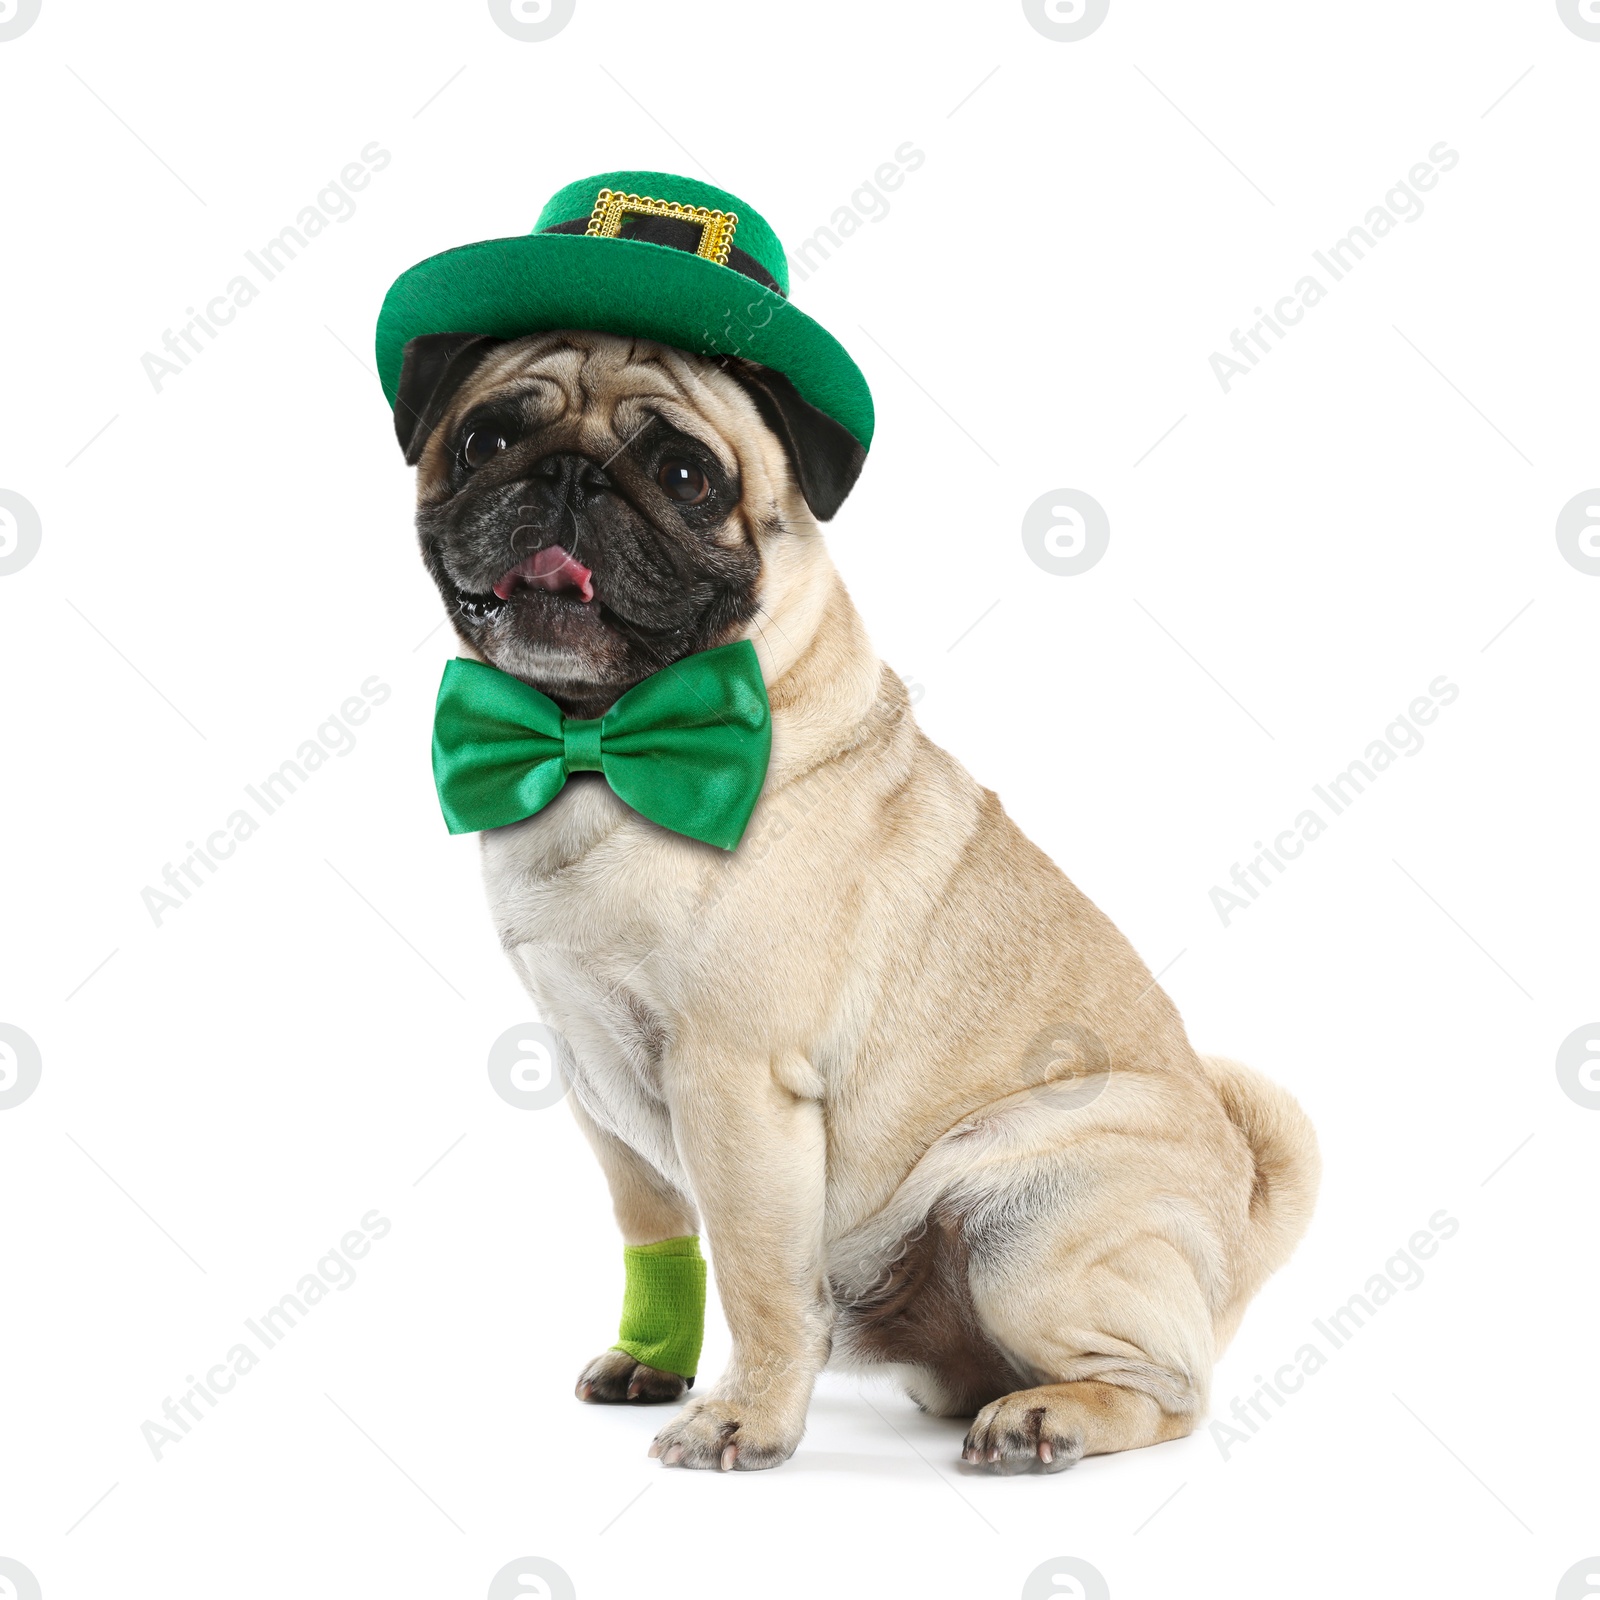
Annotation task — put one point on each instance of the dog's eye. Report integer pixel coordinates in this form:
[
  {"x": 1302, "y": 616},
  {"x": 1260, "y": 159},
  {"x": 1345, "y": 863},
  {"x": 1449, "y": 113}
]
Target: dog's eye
[
  {"x": 481, "y": 445},
  {"x": 683, "y": 481}
]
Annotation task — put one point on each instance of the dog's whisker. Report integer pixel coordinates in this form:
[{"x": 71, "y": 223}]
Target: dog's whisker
[{"x": 762, "y": 611}]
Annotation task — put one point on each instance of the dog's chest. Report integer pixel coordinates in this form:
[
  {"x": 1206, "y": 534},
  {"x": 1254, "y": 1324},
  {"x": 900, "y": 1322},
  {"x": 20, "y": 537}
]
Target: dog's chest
[{"x": 600, "y": 936}]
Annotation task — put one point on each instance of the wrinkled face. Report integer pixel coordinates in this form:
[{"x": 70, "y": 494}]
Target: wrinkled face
[{"x": 593, "y": 507}]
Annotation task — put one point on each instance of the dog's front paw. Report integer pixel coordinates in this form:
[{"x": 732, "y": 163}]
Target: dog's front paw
[
  {"x": 727, "y": 1434},
  {"x": 615, "y": 1377}
]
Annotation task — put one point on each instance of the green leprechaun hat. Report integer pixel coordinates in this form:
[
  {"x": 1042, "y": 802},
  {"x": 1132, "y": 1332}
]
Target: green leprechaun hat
[{"x": 643, "y": 253}]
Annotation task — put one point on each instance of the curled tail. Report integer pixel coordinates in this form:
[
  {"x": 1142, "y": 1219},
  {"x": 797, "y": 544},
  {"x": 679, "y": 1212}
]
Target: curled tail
[{"x": 1288, "y": 1167}]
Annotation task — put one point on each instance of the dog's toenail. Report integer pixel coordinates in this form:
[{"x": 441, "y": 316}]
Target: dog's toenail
[
  {"x": 673, "y": 1456},
  {"x": 1046, "y": 1454},
  {"x": 655, "y": 1449},
  {"x": 729, "y": 1456}
]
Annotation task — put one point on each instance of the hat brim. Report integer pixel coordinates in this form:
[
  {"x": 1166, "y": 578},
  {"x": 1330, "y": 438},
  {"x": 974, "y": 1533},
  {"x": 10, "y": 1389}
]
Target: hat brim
[{"x": 541, "y": 281}]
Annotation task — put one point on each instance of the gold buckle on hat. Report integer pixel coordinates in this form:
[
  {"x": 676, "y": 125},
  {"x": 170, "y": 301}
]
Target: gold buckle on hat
[{"x": 716, "y": 227}]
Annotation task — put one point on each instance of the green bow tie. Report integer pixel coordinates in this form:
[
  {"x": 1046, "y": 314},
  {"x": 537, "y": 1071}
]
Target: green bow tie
[{"x": 686, "y": 748}]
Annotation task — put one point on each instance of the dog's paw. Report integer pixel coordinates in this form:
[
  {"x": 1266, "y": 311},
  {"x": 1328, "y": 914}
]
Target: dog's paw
[
  {"x": 614, "y": 1377},
  {"x": 1025, "y": 1432},
  {"x": 724, "y": 1434}
]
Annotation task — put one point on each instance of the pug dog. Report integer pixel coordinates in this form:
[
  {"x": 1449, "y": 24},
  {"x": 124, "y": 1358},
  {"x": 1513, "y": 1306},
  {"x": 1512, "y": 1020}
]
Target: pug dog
[{"x": 930, "y": 1109}]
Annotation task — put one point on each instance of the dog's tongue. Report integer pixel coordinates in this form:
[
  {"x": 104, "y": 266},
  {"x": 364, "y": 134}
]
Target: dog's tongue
[{"x": 551, "y": 569}]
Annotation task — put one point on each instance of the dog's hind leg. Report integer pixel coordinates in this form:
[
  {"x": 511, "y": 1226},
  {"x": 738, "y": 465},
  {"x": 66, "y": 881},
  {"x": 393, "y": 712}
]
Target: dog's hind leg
[
  {"x": 1118, "y": 1336},
  {"x": 1051, "y": 1427}
]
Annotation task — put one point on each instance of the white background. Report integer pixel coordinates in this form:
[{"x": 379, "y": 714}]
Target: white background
[{"x": 225, "y": 1095}]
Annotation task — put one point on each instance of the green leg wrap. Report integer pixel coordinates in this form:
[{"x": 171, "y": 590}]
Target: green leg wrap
[{"x": 664, "y": 1304}]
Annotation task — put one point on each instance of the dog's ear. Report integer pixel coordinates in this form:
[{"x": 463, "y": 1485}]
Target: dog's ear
[
  {"x": 436, "y": 365},
  {"x": 825, "y": 456}
]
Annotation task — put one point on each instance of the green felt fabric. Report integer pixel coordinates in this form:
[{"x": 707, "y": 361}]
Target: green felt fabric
[
  {"x": 541, "y": 281},
  {"x": 664, "y": 1304}
]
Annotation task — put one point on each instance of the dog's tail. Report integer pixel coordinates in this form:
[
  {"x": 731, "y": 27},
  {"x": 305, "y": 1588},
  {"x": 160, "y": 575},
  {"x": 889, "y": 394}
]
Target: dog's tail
[{"x": 1288, "y": 1167}]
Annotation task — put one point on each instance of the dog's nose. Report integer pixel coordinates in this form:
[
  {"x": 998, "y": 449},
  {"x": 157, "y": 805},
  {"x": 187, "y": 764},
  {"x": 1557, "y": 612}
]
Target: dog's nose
[{"x": 573, "y": 477}]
